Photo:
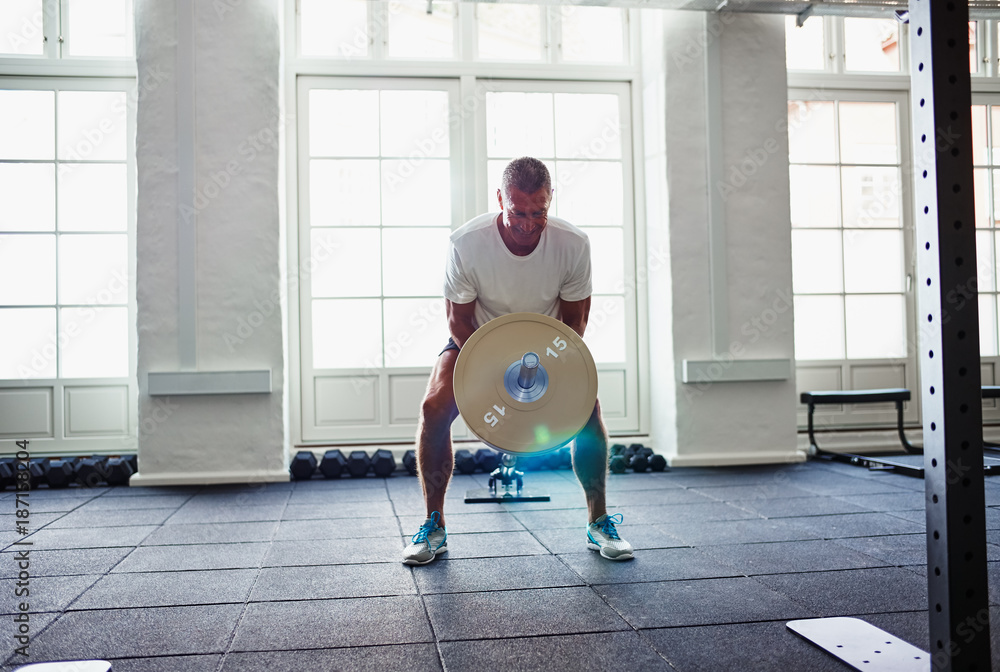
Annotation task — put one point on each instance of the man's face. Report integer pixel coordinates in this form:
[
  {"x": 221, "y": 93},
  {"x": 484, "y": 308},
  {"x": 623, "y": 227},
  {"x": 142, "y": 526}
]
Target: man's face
[{"x": 525, "y": 215}]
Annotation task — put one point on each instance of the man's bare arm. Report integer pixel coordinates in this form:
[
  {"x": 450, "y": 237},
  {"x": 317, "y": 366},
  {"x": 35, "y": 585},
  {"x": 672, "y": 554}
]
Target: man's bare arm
[
  {"x": 461, "y": 320},
  {"x": 575, "y": 314}
]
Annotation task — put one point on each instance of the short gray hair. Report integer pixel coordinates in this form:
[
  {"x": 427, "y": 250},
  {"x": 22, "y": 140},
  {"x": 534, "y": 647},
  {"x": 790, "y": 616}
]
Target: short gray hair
[{"x": 525, "y": 174}]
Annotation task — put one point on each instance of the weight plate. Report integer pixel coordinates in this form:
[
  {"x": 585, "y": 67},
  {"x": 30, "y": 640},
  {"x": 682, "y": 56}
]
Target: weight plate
[{"x": 530, "y": 424}]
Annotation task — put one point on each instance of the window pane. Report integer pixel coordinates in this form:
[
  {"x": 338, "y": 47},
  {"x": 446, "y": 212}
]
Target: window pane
[
  {"x": 996, "y": 198},
  {"x": 27, "y": 269},
  {"x": 345, "y": 262},
  {"x": 509, "y": 32},
  {"x": 815, "y": 192},
  {"x": 403, "y": 277},
  {"x": 415, "y": 331},
  {"x": 587, "y": 126},
  {"x": 876, "y": 327},
  {"x": 819, "y": 327},
  {"x": 607, "y": 252},
  {"x": 605, "y": 335},
  {"x": 873, "y": 261},
  {"x": 980, "y": 151},
  {"x": 985, "y": 264},
  {"x": 99, "y": 347},
  {"x": 811, "y": 136},
  {"x": 988, "y": 325},
  {"x": 343, "y": 123},
  {"x": 973, "y": 47},
  {"x": 99, "y": 27},
  {"x": 93, "y": 197},
  {"x": 995, "y": 135},
  {"x": 592, "y": 34},
  {"x": 868, "y": 133},
  {"x": 28, "y": 343},
  {"x": 27, "y": 197},
  {"x": 415, "y": 124},
  {"x": 27, "y": 125},
  {"x": 981, "y": 187},
  {"x": 804, "y": 45},
  {"x": 871, "y": 44},
  {"x": 93, "y": 269},
  {"x": 589, "y": 193},
  {"x": 517, "y": 124},
  {"x": 347, "y": 333},
  {"x": 415, "y": 33},
  {"x": 416, "y": 195},
  {"x": 871, "y": 197},
  {"x": 92, "y": 125},
  {"x": 343, "y": 193},
  {"x": 333, "y": 28},
  {"x": 21, "y": 27},
  {"x": 817, "y": 262}
]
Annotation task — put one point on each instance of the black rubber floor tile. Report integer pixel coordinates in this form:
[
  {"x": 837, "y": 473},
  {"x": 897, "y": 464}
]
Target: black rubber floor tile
[
  {"x": 357, "y": 659},
  {"x": 106, "y": 503},
  {"x": 320, "y": 484},
  {"x": 318, "y": 624},
  {"x": 328, "y": 496},
  {"x": 903, "y": 549},
  {"x": 338, "y": 511},
  {"x": 152, "y": 490},
  {"x": 483, "y": 574},
  {"x": 193, "y": 557},
  {"x": 992, "y": 518},
  {"x": 777, "y": 489},
  {"x": 41, "y": 502},
  {"x": 661, "y": 497},
  {"x": 563, "y": 501},
  {"x": 747, "y": 647},
  {"x": 548, "y": 520},
  {"x": 240, "y": 498},
  {"x": 44, "y": 593},
  {"x": 682, "y": 513},
  {"x": 799, "y": 507},
  {"x": 701, "y": 602},
  {"x": 790, "y": 556},
  {"x": 910, "y": 626},
  {"x": 858, "y": 525},
  {"x": 212, "y": 533},
  {"x": 664, "y": 564},
  {"x": 37, "y": 521},
  {"x": 520, "y": 613},
  {"x": 291, "y": 530},
  {"x": 574, "y": 540},
  {"x": 105, "y": 537},
  {"x": 914, "y": 516},
  {"x": 460, "y": 523},
  {"x": 277, "y": 584},
  {"x": 137, "y": 633},
  {"x": 333, "y": 552},
  {"x": 561, "y": 653},
  {"x": 714, "y": 477},
  {"x": 839, "y": 487},
  {"x": 723, "y": 532},
  {"x": 195, "y": 663},
  {"x": 853, "y": 592},
  {"x": 63, "y": 563},
  {"x": 188, "y": 514},
  {"x": 901, "y": 501},
  {"x": 490, "y": 545},
  {"x": 86, "y": 518},
  {"x": 168, "y": 589}
]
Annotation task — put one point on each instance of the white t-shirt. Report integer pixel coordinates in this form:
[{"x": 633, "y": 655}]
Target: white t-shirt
[{"x": 481, "y": 267}]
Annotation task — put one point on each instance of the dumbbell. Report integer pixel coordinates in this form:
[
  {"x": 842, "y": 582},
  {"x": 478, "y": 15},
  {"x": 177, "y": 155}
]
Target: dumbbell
[
  {"x": 303, "y": 465},
  {"x": 38, "y": 467},
  {"x": 487, "y": 460},
  {"x": 61, "y": 473},
  {"x": 657, "y": 463},
  {"x": 617, "y": 449},
  {"x": 334, "y": 464},
  {"x": 640, "y": 458},
  {"x": 383, "y": 463},
  {"x": 465, "y": 462},
  {"x": 617, "y": 464},
  {"x": 358, "y": 463},
  {"x": 90, "y": 471},
  {"x": 119, "y": 471},
  {"x": 410, "y": 462}
]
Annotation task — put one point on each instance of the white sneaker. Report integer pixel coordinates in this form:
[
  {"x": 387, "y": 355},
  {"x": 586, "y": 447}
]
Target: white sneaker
[
  {"x": 602, "y": 536},
  {"x": 430, "y": 541}
]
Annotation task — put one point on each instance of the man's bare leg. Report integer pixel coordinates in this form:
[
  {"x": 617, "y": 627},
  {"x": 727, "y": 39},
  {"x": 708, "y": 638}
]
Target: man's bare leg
[
  {"x": 590, "y": 463},
  {"x": 435, "y": 460}
]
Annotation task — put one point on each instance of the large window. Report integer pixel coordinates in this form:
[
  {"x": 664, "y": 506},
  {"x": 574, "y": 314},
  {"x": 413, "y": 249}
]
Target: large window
[{"x": 66, "y": 29}]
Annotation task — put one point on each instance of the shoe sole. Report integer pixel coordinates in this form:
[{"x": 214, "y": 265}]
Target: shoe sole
[
  {"x": 595, "y": 547},
  {"x": 416, "y": 563}
]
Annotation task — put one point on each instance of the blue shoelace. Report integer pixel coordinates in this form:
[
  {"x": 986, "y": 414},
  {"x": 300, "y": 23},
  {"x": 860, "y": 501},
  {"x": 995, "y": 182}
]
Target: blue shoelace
[
  {"x": 425, "y": 529},
  {"x": 608, "y": 525}
]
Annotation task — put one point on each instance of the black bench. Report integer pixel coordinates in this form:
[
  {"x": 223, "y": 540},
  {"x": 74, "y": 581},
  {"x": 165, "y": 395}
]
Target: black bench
[{"x": 894, "y": 394}]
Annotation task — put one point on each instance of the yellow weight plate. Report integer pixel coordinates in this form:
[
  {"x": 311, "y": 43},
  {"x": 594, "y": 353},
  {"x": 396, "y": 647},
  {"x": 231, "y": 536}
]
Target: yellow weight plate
[{"x": 558, "y": 406}]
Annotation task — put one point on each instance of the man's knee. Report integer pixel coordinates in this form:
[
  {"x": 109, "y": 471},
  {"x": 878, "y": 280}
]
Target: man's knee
[{"x": 437, "y": 411}]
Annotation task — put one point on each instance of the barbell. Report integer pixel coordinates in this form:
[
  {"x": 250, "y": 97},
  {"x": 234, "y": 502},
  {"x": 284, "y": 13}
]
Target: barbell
[{"x": 525, "y": 383}]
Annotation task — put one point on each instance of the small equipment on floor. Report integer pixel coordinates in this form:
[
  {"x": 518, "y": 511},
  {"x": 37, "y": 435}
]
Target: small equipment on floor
[{"x": 525, "y": 384}]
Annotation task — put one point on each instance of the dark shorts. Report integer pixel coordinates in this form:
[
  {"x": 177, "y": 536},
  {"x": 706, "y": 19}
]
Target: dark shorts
[{"x": 451, "y": 346}]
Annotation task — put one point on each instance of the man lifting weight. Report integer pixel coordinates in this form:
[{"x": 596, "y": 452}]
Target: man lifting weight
[{"x": 520, "y": 260}]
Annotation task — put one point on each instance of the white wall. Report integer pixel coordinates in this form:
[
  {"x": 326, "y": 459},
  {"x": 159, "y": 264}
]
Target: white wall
[
  {"x": 712, "y": 421},
  {"x": 218, "y": 437}
]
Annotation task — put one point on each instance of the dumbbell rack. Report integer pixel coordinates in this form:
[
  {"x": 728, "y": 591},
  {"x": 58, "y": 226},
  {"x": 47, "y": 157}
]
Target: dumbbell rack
[{"x": 506, "y": 485}]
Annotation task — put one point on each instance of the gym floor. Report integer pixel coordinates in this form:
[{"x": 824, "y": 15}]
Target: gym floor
[{"x": 306, "y": 575}]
